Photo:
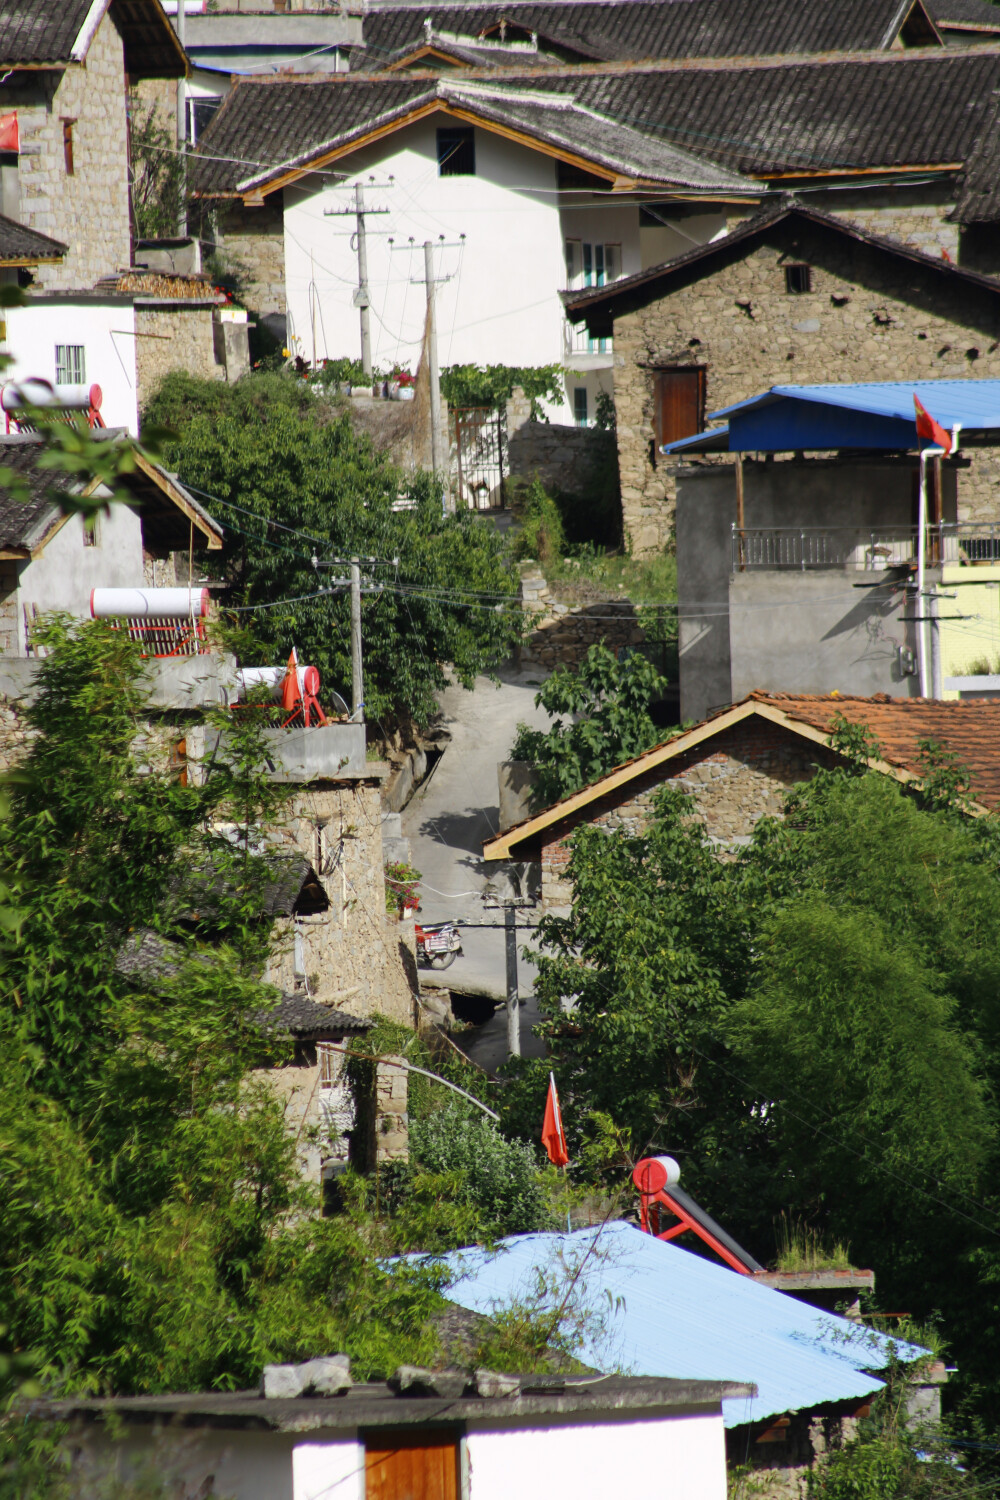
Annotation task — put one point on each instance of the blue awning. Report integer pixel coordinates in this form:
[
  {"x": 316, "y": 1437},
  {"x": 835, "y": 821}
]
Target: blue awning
[{"x": 874, "y": 414}]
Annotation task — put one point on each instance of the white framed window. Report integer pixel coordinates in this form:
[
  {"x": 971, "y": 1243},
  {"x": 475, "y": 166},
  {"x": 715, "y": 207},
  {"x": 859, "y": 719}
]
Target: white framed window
[
  {"x": 329, "y": 1072},
  {"x": 589, "y": 263},
  {"x": 71, "y": 364}
]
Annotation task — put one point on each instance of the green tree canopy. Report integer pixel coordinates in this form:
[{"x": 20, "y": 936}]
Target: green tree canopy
[
  {"x": 292, "y": 482},
  {"x": 608, "y": 703}
]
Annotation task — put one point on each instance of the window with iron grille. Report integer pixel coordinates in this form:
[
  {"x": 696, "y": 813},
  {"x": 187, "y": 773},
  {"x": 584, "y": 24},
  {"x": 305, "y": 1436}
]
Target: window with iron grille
[
  {"x": 71, "y": 364},
  {"x": 456, "y": 152},
  {"x": 798, "y": 279},
  {"x": 328, "y": 1071}
]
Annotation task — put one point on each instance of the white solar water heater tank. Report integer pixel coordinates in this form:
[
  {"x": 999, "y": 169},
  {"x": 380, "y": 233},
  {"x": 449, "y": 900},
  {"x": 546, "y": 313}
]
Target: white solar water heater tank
[
  {"x": 148, "y": 604},
  {"x": 17, "y": 394}
]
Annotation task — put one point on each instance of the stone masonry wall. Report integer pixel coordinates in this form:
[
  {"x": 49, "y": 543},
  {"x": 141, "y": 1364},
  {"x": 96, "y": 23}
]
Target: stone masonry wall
[
  {"x": 90, "y": 209},
  {"x": 864, "y": 319},
  {"x": 173, "y": 337},
  {"x": 253, "y": 241},
  {"x": 562, "y": 457},
  {"x": 10, "y": 625},
  {"x": 733, "y": 780},
  {"x": 567, "y": 626},
  {"x": 355, "y": 957}
]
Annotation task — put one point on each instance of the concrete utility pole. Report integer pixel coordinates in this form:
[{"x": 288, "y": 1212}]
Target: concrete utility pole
[
  {"x": 362, "y": 297},
  {"x": 513, "y": 1004},
  {"x": 357, "y": 684},
  {"x": 182, "y": 224},
  {"x": 432, "y": 358}
]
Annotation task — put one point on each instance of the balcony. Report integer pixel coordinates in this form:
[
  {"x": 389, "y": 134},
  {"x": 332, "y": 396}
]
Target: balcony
[
  {"x": 812, "y": 548},
  {"x": 581, "y": 352}
]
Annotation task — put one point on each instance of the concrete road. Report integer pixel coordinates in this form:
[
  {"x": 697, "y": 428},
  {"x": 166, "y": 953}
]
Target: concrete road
[{"x": 446, "y": 822}]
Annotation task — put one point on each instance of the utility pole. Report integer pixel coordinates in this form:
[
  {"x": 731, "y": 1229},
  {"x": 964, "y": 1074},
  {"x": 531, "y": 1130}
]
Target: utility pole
[
  {"x": 513, "y": 1006},
  {"x": 357, "y": 685},
  {"x": 182, "y": 224},
  {"x": 362, "y": 297},
  {"x": 432, "y": 358}
]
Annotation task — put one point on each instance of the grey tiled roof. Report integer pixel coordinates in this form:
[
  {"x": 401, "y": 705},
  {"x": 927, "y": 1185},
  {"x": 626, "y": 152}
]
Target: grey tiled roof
[
  {"x": 639, "y": 29},
  {"x": 304, "y": 1017},
  {"x": 965, "y": 13},
  {"x": 290, "y": 886},
  {"x": 289, "y": 124},
  {"x": 24, "y": 525},
  {"x": 19, "y": 243},
  {"x": 888, "y": 110},
  {"x": 36, "y": 32}
]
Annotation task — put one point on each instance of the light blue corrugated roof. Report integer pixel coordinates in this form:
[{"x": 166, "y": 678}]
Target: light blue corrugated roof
[
  {"x": 974, "y": 403},
  {"x": 664, "y": 1311}
]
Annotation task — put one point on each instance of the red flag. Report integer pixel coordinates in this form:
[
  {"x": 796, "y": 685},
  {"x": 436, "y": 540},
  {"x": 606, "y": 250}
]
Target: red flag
[
  {"x": 9, "y": 136},
  {"x": 291, "y": 694},
  {"x": 552, "y": 1130},
  {"x": 929, "y": 430}
]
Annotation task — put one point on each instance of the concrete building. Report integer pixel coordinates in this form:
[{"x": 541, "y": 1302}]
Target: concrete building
[
  {"x": 437, "y": 1436},
  {"x": 737, "y": 766}
]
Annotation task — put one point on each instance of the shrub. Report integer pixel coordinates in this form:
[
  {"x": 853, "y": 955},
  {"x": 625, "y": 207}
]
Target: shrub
[
  {"x": 499, "y": 1177},
  {"x": 541, "y": 535}
]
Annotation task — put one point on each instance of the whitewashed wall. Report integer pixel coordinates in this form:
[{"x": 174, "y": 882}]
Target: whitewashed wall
[
  {"x": 682, "y": 1457},
  {"x": 63, "y": 574},
  {"x": 106, "y": 329}
]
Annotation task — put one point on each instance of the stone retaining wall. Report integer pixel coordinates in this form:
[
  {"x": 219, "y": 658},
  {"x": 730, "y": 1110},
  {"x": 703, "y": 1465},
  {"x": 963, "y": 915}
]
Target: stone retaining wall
[
  {"x": 562, "y": 458},
  {"x": 569, "y": 626}
]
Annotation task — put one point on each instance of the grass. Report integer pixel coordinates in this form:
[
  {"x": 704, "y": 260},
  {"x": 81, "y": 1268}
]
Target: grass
[
  {"x": 800, "y": 1248},
  {"x": 983, "y": 666},
  {"x": 644, "y": 580}
]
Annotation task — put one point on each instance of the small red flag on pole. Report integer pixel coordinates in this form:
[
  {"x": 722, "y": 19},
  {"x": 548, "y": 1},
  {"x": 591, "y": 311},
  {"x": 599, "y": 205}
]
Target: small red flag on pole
[
  {"x": 552, "y": 1128},
  {"x": 929, "y": 430}
]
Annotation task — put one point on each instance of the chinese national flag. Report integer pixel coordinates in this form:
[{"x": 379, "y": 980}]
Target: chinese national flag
[
  {"x": 552, "y": 1130},
  {"x": 929, "y": 430},
  {"x": 9, "y": 135},
  {"x": 291, "y": 695}
]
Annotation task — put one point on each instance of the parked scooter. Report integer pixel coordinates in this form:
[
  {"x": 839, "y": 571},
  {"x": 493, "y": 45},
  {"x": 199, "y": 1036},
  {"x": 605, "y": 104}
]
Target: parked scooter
[{"x": 438, "y": 944}]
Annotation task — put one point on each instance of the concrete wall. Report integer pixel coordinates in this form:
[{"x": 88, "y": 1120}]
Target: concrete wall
[
  {"x": 63, "y": 574},
  {"x": 590, "y": 1459},
  {"x": 239, "y": 1464},
  {"x": 864, "y": 319},
  {"x": 90, "y": 209},
  {"x": 782, "y": 629},
  {"x": 104, "y": 326}
]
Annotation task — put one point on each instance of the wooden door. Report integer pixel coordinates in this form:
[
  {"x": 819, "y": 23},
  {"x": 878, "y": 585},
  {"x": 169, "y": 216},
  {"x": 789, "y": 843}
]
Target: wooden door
[
  {"x": 412, "y": 1465},
  {"x": 679, "y": 404}
]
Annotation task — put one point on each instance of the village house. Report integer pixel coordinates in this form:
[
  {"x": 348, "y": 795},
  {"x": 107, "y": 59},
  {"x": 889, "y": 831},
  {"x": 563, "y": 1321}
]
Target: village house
[
  {"x": 793, "y": 294},
  {"x": 737, "y": 766},
  {"x": 440, "y": 1435},
  {"x": 92, "y": 317}
]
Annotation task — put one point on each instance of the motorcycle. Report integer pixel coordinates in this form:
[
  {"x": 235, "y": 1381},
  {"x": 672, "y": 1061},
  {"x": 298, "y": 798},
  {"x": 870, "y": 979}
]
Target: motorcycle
[{"x": 438, "y": 944}]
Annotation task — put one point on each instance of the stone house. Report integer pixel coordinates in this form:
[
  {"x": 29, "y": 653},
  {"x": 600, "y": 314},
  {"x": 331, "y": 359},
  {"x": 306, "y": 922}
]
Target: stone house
[
  {"x": 791, "y": 295},
  {"x": 737, "y": 766}
]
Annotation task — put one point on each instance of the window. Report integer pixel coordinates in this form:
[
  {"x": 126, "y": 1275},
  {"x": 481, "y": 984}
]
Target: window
[
  {"x": 67, "y": 134},
  {"x": 71, "y": 364},
  {"x": 580, "y": 406},
  {"x": 329, "y": 1073},
  {"x": 798, "y": 279},
  {"x": 199, "y": 114},
  {"x": 456, "y": 152},
  {"x": 679, "y": 404},
  {"x": 588, "y": 264}
]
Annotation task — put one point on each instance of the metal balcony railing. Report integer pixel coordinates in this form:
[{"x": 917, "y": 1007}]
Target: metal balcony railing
[
  {"x": 576, "y": 340},
  {"x": 863, "y": 549}
]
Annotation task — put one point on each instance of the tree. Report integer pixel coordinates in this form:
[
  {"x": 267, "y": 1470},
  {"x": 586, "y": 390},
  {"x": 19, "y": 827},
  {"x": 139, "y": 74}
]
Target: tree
[
  {"x": 609, "y": 704},
  {"x": 292, "y": 482},
  {"x": 155, "y": 172},
  {"x": 492, "y": 385}
]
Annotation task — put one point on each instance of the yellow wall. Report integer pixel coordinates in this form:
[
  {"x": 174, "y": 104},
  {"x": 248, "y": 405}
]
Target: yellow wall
[{"x": 976, "y": 590}]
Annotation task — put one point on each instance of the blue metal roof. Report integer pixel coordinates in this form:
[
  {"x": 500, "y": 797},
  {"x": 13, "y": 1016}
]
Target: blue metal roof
[
  {"x": 873, "y": 414},
  {"x": 650, "y": 1308}
]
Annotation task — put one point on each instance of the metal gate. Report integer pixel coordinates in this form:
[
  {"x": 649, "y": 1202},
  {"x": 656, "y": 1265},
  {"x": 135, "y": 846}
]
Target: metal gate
[{"x": 480, "y": 437}]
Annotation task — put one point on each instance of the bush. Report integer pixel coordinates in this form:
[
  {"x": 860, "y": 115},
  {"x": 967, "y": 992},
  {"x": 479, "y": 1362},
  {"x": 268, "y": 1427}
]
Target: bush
[
  {"x": 541, "y": 535},
  {"x": 499, "y": 1177},
  {"x": 492, "y": 385}
]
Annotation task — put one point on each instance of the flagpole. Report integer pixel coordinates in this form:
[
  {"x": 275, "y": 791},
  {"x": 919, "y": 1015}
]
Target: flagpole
[{"x": 922, "y": 643}]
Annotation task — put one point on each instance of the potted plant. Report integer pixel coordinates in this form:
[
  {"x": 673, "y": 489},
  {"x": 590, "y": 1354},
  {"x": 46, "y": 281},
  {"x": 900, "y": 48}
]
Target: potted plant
[
  {"x": 401, "y": 898},
  {"x": 403, "y": 386}
]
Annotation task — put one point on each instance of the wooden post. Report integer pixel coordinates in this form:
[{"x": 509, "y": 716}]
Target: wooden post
[{"x": 739, "y": 509}]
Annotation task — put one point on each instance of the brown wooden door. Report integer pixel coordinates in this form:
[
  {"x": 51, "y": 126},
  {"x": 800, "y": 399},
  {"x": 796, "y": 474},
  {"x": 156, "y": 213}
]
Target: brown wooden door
[
  {"x": 680, "y": 404},
  {"x": 412, "y": 1465}
]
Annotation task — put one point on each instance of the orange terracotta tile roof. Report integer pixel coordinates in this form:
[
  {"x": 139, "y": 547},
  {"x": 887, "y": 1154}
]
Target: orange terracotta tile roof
[{"x": 970, "y": 729}]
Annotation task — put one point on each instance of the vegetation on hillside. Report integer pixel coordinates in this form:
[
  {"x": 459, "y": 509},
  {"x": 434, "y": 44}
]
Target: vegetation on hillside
[{"x": 299, "y": 493}]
